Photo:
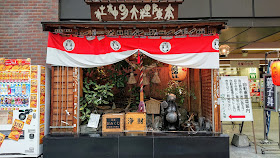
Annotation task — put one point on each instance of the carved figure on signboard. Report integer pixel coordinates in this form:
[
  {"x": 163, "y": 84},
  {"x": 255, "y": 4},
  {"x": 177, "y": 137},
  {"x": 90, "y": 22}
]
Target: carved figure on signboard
[
  {"x": 159, "y": 14},
  {"x": 100, "y": 12},
  {"x": 169, "y": 12},
  {"x": 155, "y": 8},
  {"x": 145, "y": 12},
  {"x": 134, "y": 12},
  {"x": 124, "y": 11},
  {"x": 112, "y": 11}
]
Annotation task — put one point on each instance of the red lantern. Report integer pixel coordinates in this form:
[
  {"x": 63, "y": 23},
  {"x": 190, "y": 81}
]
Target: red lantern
[
  {"x": 177, "y": 73},
  {"x": 275, "y": 73}
]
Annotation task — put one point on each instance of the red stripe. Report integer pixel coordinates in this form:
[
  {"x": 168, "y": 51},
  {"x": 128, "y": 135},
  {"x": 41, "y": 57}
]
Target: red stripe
[{"x": 96, "y": 47}]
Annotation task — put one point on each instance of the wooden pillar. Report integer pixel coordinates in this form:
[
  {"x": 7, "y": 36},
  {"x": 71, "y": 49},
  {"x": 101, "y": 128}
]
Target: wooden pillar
[
  {"x": 197, "y": 91},
  {"x": 189, "y": 88},
  {"x": 216, "y": 93}
]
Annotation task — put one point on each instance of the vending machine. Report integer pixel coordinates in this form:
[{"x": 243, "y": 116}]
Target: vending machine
[{"x": 24, "y": 108}]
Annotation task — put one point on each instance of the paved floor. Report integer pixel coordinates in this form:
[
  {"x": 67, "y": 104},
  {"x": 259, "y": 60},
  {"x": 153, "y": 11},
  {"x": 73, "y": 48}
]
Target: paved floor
[{"x": 249, "y": 152}]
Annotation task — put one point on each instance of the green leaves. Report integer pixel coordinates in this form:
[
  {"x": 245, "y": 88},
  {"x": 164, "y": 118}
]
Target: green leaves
[
  {"x": 180, "y": 90},
  {"x": 94, "y": 95}
]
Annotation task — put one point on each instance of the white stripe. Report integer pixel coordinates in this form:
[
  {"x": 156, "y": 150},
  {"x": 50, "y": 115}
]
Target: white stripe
[
  {"x": 205, "y": 60},
  {"x": 62, "y": 58}
]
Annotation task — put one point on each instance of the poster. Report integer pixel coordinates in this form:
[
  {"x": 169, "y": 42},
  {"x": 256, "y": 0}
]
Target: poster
[
  {"x": 254, "y": 87},
  {"x": 235, "y": 99}
]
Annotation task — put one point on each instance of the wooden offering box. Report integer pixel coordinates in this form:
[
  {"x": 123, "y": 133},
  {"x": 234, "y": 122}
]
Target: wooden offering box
[
  {"x": 113, "y": 123},
  {"x": 135, "y": 121}
]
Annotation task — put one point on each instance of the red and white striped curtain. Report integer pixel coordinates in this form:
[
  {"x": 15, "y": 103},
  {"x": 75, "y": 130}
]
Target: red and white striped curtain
[{"x": 192, "y": 52}]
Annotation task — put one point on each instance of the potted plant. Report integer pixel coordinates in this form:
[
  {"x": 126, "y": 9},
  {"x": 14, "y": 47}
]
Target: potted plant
[{"x": 94, "y": 95}]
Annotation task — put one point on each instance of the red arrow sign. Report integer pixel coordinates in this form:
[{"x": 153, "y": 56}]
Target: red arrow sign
[{"x": 236, "y": 116}]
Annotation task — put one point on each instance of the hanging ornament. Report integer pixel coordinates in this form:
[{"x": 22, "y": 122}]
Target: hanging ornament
[
  {"x": 156, "y": 78},
  {"x": 177, "y": 73},
  {"x": 275, "y": 72},
  {"x": 131, "y": 79},
  {"x": 145, "y": 80}
]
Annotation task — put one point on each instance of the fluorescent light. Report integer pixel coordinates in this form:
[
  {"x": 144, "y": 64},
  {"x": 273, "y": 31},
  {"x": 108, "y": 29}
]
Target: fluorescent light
[
  {"x": 261, "y": 49},
  {"x": 263, "y": 46}
]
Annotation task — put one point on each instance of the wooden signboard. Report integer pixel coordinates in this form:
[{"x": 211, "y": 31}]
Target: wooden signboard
[
  {"x": 127, "y": 11},
  {"x": 153, "y": 106},
  {"x": 113, "y": 123},
  {"x": 135, "y": 121}
]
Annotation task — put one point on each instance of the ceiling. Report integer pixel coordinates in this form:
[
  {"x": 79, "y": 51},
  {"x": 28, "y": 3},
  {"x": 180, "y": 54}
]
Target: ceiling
[{"x": 239, "y": 37}]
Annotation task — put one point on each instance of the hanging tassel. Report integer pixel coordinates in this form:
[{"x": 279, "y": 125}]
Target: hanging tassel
[
  {"x": 131, "y": 79},
  {"x": 156, "y": 78},
  {"x": 145, "y": 80},
  {"x": 141, "y": 107}
]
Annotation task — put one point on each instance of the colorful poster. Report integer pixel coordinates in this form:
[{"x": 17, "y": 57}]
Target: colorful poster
[
  {"x": 28, "y": 120},
  {"x": 42, "y": 114},
  {"x": 42, "y": 133},
  {"x": 17, "y": 125},
  {"x": 17, "y": 64},
  {"x": 43, "y": 79},
  {"x": 2, "y": 138},
  {"x": 14, "y": 135},
  {"x": 33, "y": 102},
  {"x": 10, "y": 117},
  {"x": 34, "y": 68}
]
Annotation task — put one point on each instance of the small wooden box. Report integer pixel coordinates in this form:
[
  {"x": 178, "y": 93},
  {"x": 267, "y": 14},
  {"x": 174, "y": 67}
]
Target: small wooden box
[
  {"x": 135, "y": 121},
  {"x": 113, "y": 122},
  {"x": 153, "y": 106}
]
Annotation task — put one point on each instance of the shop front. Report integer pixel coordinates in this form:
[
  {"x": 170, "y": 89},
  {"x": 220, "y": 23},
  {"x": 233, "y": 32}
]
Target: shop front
[{"x": 134, "y": 81}]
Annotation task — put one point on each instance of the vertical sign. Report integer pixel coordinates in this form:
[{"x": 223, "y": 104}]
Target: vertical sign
[
  {"x": 269, "y": 93},
  {"x": 235, "y": 99}
]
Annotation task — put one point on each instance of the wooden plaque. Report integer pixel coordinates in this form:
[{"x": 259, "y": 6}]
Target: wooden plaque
[
  {"x": 113, "y": 123},
  {"x": 135, "y": 121},
  {"x": 125, "y": 11},
  {"x": 153, "y": 106}
]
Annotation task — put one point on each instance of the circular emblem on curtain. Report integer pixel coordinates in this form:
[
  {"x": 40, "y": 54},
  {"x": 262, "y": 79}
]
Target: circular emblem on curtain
[
  {"x": 215, "y": 44},
  {"x": 115, "y": 45},
  {"x": 165, "y": 47},
  {"x": 68, "y": 45}
]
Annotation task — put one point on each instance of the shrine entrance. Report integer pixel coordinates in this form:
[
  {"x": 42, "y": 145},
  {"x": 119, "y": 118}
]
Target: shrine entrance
[{"x": 162, "y": 48}]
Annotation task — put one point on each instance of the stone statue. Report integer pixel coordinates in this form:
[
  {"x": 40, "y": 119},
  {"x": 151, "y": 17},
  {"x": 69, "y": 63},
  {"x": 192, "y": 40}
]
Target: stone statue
[{"x": 170, "y": 113}]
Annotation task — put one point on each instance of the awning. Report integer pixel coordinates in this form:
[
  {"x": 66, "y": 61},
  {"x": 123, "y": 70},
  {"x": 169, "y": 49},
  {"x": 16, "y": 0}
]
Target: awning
[{"x": 192, "y": 52}]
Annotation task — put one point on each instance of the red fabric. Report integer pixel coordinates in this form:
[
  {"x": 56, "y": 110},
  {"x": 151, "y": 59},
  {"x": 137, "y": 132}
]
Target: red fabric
[{"x": 96, "y": 47}]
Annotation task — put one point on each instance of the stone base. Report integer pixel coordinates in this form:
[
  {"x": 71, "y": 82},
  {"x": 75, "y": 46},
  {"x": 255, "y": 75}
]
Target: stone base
[{"x": 240, "y": 140}]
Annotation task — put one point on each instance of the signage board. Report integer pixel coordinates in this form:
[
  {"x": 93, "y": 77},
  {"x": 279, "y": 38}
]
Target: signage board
[
  {"x": 125, "y": 11},
  {"x": 113, "y": 122},
  {"x": 245, "y": 63},
  {"x": 235, "y": 99},
  {"x": 253, "y": 75},
  {"x": 93, "y": 120},
  {"x": 269, "y": 94},
  {"x": 138, "y": 32}
]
